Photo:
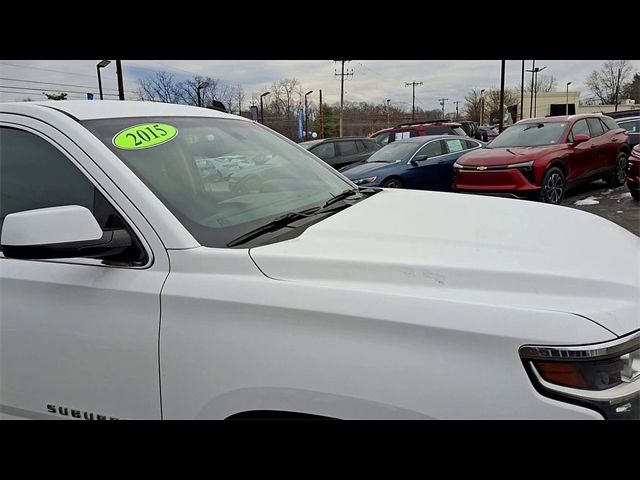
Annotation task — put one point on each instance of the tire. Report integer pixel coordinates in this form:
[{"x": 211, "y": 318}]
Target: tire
[
  {"x": 618, "y": 176},
  {"x": 635, "y": 193},
  {"x": 392, "y": 183},
  {"x": 554, "y": 186}
]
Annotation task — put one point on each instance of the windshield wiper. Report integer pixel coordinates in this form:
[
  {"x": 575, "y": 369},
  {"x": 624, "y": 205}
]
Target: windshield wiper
[
  {"x": 341, "y": 196},
  {"x": 273, "y": 225}
]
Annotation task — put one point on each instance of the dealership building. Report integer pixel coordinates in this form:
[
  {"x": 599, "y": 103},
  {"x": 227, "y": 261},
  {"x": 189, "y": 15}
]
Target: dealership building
[{"x": 555, "y": 103}]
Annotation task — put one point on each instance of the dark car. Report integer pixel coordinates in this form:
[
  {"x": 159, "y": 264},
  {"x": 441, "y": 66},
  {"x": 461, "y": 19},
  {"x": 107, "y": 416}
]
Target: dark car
[
  {"x": 543, "y": 157},
  {"x": 632, "y": 126},
  {"x": 418, "y": 129},
  {"x": 340, "y": 152},
  {"x": 487, "y": 133},
  {"x": 633, "y": 172},
  {"x": 424, "y": 163},
  {"x": 471, "y": 129}
]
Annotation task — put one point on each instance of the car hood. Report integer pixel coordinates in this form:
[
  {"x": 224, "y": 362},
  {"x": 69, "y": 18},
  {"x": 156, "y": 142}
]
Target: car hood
[
  {"x": 505, "y": 156},
  {"x": 469, "y": 248},
  {"x": 360, "y": 170}
]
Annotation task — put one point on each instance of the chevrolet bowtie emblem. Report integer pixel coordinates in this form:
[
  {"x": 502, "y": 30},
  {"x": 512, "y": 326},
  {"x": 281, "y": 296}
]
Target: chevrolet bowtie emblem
[{"x": 481, "y": 167}]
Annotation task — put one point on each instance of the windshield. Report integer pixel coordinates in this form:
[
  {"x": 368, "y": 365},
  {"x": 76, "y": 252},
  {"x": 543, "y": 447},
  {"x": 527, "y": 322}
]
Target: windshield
[
  {"x": 220, "y": 177},
  {"x": 530, "y": 135},
  {"x": 394, "y": 152}
]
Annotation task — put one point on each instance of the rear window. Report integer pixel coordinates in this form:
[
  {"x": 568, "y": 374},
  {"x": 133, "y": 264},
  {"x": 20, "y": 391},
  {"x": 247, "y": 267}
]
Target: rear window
[
  {"x": 610, "y": 122},
  {"x": 595, "y": 126}
]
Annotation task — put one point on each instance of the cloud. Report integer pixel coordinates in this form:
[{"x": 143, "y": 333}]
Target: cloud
[{"x": 372, "y": 80}]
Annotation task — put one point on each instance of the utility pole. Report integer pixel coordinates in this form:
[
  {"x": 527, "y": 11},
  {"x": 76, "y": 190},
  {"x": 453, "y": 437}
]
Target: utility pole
[
  {"x": 321, "y": 117},
  {"x": 533, "y": 68},
  {"x": 501, "y": 96},
  {"x": 239, "y": 101},
  {"x": 413, "y": 107},
  {"x": 618, "y": 88},
  {"x": 342, "y": 75},
  {"x": 442, "y": 100},
  {"x": 535, "y": 97},
  {"x": 457, "y": 102},
  {"x": 522, "y": 92},
  {"x": 120, "y": 81}
]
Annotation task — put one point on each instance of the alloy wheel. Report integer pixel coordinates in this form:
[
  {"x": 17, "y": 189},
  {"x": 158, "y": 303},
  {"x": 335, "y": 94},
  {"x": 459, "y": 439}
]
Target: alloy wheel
[{"x": 554, "y": 188}]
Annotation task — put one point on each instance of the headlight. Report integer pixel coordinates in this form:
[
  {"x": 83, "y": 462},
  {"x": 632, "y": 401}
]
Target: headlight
[
  {"x": 521, "y": 165},
  {"x": 603, "y": 377},
  {"x": 457, "y": 165},
  {"x": 363, "y": 181}
]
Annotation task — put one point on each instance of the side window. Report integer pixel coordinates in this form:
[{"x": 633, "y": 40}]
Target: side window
[
  {"x": 432, "y": 149},
  {"x": 610, "y": 122},
  {"x": 605, "y": 127},
  {"x": 455, "y": 145},
  {"x": 348, "y": 148},
  {"x": 371, "y": 146},
  {"x": 361, "y": 146},
  {"x": 35, "y": 174},
  {"x": 324, "y": 150},
  {"x": 580, "y": 128},
  {"x": 384, "y": 138},
  {"x": 632, "y": 126},
  {"x": 595, "y": 126},
  {"x": 439, "y": 131},
  {"x": 414, "y": 133},
  {"x": 469, "y": 144}
]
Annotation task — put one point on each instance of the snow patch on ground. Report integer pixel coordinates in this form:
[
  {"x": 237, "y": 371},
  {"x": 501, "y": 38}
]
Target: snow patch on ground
[
  {"x": 607, "y": 192},
  {"x": 591, "y": 200},
  {"x": 622, "y": 196},
  {"x": 619, "y": 211}
]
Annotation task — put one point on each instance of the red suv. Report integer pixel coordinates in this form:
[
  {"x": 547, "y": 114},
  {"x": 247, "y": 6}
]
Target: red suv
[
  {"x": 542, "y": 157},
  {"x": 418, "y": 129}
]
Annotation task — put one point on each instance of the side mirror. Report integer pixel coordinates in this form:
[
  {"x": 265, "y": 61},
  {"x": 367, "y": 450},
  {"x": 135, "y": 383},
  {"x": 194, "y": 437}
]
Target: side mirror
[
  {"x": 59, "y": 232},
  {"x": 580, "y": 138},
  {"x": 418, "y": 158}
]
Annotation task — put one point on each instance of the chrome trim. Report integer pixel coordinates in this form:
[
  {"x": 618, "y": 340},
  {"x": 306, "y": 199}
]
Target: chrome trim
[{"x": 619, "y": 346}]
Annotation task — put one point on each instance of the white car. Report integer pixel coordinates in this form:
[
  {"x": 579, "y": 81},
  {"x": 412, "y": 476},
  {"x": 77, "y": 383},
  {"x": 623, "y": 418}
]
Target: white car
[{"x": 129, "y": 290}]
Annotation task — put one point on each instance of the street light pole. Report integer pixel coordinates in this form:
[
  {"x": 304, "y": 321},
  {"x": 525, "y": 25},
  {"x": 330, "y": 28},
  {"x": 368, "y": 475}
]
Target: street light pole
[
  {"x": 261, "y": 107},
  {"x": 482, "y": 106},
  {"x": 321, "y": 116},
  {"x": 100, "y": 65},
  {"x": 522, "y": 92},
  {"x": 200, "y": 87},
  {"x": 120, "y": 81},
  {"x": 501, "y": 96},
  {"x": 535, "y": 97},
  {"x": 618, "y": 88},
  {"x": 533, "y": 68},
  {"x": 388, "y": 102},
  {"x": 306, "y": 131},
  {"x": 567, "y": 107}
]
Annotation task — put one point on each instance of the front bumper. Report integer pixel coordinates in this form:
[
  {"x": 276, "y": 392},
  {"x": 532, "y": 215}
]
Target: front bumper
[
  {"x": 633, "y": 173},
  {"x": 511, "y": 181}
]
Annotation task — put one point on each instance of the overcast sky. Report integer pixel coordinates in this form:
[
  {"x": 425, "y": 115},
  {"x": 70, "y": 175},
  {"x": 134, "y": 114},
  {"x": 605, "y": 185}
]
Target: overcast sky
[{"x": 372, "y": 80}]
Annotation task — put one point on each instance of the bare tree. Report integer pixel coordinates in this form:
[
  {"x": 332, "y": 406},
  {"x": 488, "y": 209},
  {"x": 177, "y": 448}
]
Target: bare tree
[
  {"x": 545, "y": 83},
  {"x": 472, "y": 105},
  {"x": 632, "y": 89},
  {"x": 492, "y": 103},
  {"x": 188, "y": 90},
  {"x": 604, "y": 83},
  {"x": 162, "y": 87},
  {"x": 283, "y": 96}
]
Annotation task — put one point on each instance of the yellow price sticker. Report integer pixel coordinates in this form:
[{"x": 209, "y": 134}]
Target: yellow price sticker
[{"x": 145, "y": 135}]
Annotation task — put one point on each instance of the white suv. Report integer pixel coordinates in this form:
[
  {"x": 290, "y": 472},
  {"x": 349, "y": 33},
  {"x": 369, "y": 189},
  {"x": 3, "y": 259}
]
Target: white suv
[{"x": 165, "y": 261}]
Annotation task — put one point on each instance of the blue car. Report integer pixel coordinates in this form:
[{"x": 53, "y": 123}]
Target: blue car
[{"x": 421, "y": 163}]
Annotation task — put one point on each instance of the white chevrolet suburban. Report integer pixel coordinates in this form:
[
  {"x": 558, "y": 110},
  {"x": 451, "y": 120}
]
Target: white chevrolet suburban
[{"x": 166, "y": 261}]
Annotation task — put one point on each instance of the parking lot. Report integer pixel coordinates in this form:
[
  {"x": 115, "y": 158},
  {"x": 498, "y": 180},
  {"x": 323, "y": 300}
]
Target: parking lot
[{"x": 613, "y": 204}]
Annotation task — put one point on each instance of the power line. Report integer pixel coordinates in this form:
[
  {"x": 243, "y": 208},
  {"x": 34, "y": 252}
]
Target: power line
[
  {"x": 52, "y": 90},
  {"x": 51, "y": 70},
  {"x": 54, "y": 83}
]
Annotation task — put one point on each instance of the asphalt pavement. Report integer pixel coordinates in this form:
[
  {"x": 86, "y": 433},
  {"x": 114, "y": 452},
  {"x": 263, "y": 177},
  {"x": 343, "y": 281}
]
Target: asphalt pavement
[{"x": 613, "y": 204}]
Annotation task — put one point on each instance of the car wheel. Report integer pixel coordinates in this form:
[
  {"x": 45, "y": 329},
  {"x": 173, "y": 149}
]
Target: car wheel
[
  {"x": 392, "y": 183},
  {"x": 618, "y": 176},
  {"x": 553, "y": 186},
  {"x": 635, "y": 193}
]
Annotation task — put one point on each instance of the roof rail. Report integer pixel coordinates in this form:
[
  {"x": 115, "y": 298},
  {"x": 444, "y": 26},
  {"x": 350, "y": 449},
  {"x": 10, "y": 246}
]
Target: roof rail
[{"x": 424, "y": 122}]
